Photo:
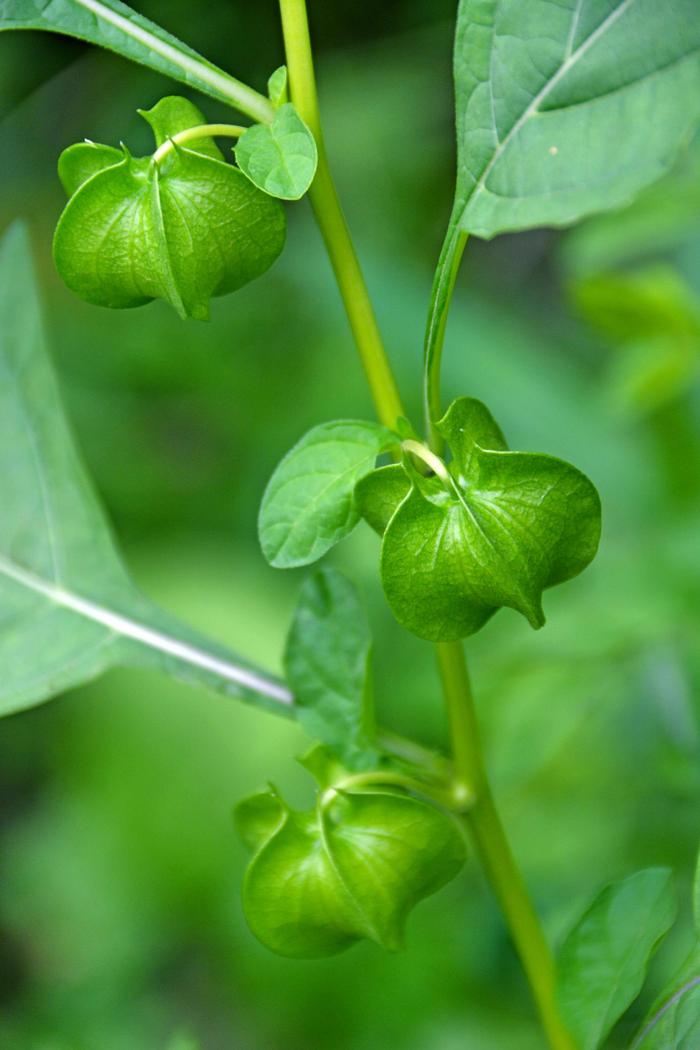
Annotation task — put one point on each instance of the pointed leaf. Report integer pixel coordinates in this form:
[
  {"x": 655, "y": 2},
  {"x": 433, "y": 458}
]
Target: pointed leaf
[
  {"x": 278, "y": 87},
  {"x": 497, "y": 530},
  {"x": 566, "y": 109},
  {"x": 604, "y": 960},
  {"x": 280, "y": 157},
  {"x": 352, "y": 869},
  {"x": 68, "y": 609},
  {"x": 327, "y": 664},
  {"x": 173, "y": 114},
  {"x": 113, "y": 25},
  {"x": 258, "y": 817},
  {"x": 379, "y": 494},
  {"x": 309, "y": 504}
]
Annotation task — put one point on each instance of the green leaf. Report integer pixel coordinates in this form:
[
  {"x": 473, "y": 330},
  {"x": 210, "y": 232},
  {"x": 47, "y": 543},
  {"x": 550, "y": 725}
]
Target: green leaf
[
  {"x": 603, "y": 962},
  {"x": 309, "y": 504},
  {"x": 327, "y": 665},
  {"x": 278, "y": 87},
  {"x": 567, "y": 109},
  {"x": 673, "y": 1023},
  {"x": 183, "y": 230},
  {"x": 352, "y": 868},
  {"x": 280, "y": 158},
  {"x": 113, "y": 25},
  {"x": 379, "y": 494},
  {"x": 79, "y": 163},
  {"x": 496, "y": 530},
  {"x": 68, "y": 609}
]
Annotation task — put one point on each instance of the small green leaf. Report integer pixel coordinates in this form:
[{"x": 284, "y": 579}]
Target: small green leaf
[
  {"x": 277, "y": 87},
  {"x": 379, "y": 494},
  {"x": 309, "y": 504},
  {"x": 604, "y": 960},
  {"x": 673, "y": 1023},
  {"x": 498, "y": 529},
  {"x": 184, "y": 230},
  {"x": 280, "y": 158},
  {"x": 352, "y": 868},
  {"x": 327, "y": 664},
  {"x": 79, "y": 163}
]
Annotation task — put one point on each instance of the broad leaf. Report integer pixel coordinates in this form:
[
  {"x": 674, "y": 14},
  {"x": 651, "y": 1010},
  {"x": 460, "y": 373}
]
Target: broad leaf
[
  {"x": 113, "y": 25},
  {"x": 604, "y": 959},
  {"x": 350, "y": 869},
  {"x": 568, "y": 108},
  {"x": 280, "y": 157},
  {"x": 673, "y": 1023},
  {"x": 68, "y": 609},
  {"x": 496, "y": 530},
  {"x": 184, "y": 230},
  {"x": 309, "y": 503},
  {"x": 327, "y": 665}
]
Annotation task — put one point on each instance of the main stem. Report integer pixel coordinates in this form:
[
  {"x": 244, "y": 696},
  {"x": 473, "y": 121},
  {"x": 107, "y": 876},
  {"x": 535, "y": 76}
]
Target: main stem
[
  {"x": 331, "y": 221},
  {"x": 471, "y": 776}
]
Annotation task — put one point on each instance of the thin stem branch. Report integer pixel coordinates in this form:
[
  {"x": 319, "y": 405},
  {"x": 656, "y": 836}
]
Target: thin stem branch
[
  {"x": 202, "y": 131},
  {"x": 443, "y": 286},
  {"x": 331, "y": 221}
]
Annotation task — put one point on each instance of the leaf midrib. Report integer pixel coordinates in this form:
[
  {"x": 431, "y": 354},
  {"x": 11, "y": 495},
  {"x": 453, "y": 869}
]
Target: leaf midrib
[
  {"x": 534, "y": 103},
  {"x": 120, "y": 625}
]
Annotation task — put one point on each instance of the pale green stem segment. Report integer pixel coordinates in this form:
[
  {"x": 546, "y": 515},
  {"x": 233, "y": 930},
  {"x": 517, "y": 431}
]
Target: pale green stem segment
[
  {"x": 443, "y": 286},
  {"x": 331, "y": 221},
  {"x": 492, "y": 844},
  {"x": 202, "y": 131},
  {"x": 470, "y": 775},
  {"x": 429, "y": 458}
]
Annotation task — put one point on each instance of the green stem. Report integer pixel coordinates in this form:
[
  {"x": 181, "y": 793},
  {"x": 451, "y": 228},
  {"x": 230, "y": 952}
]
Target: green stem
[
  {"x": 443, "y": 286},
  {"x": 470, "y": 773},
  {"x": 330, "y": 218},
  {"x": 202, "y": 131},
  {"x": 492, "y": 844}
]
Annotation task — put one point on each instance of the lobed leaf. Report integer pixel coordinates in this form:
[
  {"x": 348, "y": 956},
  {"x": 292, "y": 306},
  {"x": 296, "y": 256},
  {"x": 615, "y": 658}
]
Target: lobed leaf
[
  {"x": 496, "y": 531},
  {"x": 351, "y": 869},
  {"x": 68, "y": 609},
  {"x": 379, "y": 494},
  {"x": 184, "y": 230},
  {"x": 327, "y": 665},
  {"x": 115, "y": 26},
  {"x": 309, "y": 503},
  {"x": 603, "y": 961}
]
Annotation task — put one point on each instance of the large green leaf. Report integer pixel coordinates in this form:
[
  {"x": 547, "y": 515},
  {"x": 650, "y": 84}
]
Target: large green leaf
[
  {"x": 568, "y": 108},
  {"x": 604, "y": 959},
  {"x": 494, "y": 530},
  {"x": 279, "y": 157},
  {"x": 309, "y": 501},
  {"x": 184, "y": 229},
  {"x": 351, "y": 868},
  {"x": 68, "y": 609},
  {"x": 113, "y": 25},
  {"x": 673, "y": 1023},
  {"x": 327, "y": 664}
]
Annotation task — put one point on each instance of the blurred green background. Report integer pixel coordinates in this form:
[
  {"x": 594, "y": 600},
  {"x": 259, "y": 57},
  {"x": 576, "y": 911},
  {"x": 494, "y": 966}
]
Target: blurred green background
[{"x": 120, "y": 917}]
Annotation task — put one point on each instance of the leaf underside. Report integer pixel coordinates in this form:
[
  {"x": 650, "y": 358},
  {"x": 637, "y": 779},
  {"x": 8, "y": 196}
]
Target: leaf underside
[{"x": 68, "y": 609}]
